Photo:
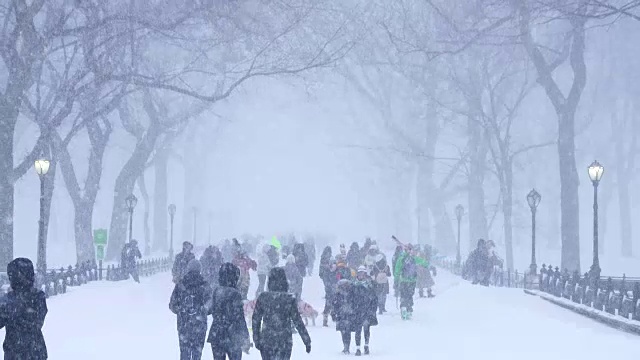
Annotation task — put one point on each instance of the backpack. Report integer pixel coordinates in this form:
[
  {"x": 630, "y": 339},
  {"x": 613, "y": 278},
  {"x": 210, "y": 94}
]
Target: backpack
[{"x": 409, "y": 267}]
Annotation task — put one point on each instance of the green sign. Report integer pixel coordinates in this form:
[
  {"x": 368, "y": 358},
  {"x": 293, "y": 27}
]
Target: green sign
[
  {"x": 100, "y": 236},
  {"x": 100, "y": 252}
]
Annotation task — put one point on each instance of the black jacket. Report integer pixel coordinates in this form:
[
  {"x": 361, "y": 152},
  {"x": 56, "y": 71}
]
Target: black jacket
[
  {"x": 302, "y": 259},
  {"x": 365, "y": 303},
  {"x": 343, "y": 311},
  {"x": 189, "y": 301},
  {"x": 274, "y": 312},
  {"x": 180, "y": 264},
  {"x": 22, "y": 313},
  {"x": 228, "y": 327},
  {"x": 129, "y": 254},
  {"x": 355, "y": 257}
]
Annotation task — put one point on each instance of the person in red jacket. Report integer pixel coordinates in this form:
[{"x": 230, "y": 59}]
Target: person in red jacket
[{"x": 244, "y": 263}]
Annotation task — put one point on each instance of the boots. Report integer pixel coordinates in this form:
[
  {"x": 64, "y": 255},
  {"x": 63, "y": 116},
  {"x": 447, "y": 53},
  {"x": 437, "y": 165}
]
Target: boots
[
  {"x": 358, "y": 352},
  {"x": 403, "y": 313},
  {"x": 325, "y": 320},
  {"x": 421, "y": 292},
  {"x": 366, "y": 349},
  {"x": 430, "y": 293}
]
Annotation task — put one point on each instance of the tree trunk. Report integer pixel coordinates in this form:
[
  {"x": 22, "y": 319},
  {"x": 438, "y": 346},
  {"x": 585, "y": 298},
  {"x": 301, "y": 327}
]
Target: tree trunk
[
  {"x": 8, "y": 118},
  {"x": 147, "y": 208},
  {"x": 125, "y": 182},
  {"x": 191, "y": 173},
  {"x": 478, "y": 228},
  {"x": 161, "y": 164},
  {"x": 507, "y": 210},
  {"x": 82, "y": 225}
]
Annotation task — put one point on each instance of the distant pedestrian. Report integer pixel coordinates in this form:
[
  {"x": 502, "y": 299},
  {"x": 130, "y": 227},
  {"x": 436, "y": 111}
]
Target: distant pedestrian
[
  {"x": 274, "y": 313},
  {"x": 228, "y": 335},
  {"x": 128, "y": 260},
  {"x": 22, "y": 312},
  {"x": 188, "y": 301},
  {"x": 211, "y": 260},
  {"x": 294, "y": 277},
  {"x": 301, "y": 258},
  {"x": 181, "y": 261}
]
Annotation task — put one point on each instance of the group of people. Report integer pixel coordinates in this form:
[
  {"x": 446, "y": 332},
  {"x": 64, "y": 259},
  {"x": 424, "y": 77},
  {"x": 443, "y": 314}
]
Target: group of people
[
  {"x": 213, "y": 287},
  {"x": 481, "y": 263}
]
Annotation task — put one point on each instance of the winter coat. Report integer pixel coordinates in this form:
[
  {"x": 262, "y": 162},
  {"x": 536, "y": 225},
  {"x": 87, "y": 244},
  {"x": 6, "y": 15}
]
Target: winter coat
[
  {"x": 189, "y": 302},
  {"x": 129, "y": 254},
  {"x": 294, "y": 279},
  {"x": 274, "y": 313},
  {"x": 244, "y": 263},
  {"x": 380, "y": 275},
  {"x": 355, "y": 258},
  {"x": 228, "y": 326},
  {"x": 180, "y": 265},
  {"x": 22, "y": 312},
  {"x": 273, "y": 255},
  {"x": 344, "y": 272},
  {"x": 366, "y": 303},
  {"x": 302, "y": 259},
  {"x": 264, "y": 262},
  {"x": 343, "y": 310},
  {"x": 405, "y": 270},
  {"x": 325, "y": 264},
  {"x": 211, "y": 261}
]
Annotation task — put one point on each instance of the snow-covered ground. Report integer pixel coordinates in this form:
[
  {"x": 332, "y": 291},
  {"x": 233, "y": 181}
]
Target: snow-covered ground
[{"x": 125, "y": 320}]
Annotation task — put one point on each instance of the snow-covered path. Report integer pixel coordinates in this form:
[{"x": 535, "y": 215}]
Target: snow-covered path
[{"x": 125, "y": 320}]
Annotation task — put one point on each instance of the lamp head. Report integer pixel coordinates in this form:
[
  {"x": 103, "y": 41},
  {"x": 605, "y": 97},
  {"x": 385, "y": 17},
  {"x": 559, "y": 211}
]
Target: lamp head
[
  {"x": 42, "y": 167},
  {"x": 459, "y": 211},
  {"x": 131, "y": 202},
  {"x": 533, "y": 199},
  {"x": 595, "y": 172},
  {"x": 172, "y": 209}
]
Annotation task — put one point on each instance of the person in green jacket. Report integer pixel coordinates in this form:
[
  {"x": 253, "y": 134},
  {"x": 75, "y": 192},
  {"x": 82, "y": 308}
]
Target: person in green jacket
[{"x": 405, "y": 271}]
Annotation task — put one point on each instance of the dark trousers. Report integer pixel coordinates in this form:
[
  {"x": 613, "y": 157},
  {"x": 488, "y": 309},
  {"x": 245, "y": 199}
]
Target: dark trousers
[
  {"x": 367, "y": 335},
  {"x": 280, "y": 353},
  {"x": 346, "y": 339},
  {"x": 262, "y": 280},
  {"x": 133, "y": 272},
  {"x": 190, "y": 350},
  {"x": 222, "y": 353},
  {"x": 382, "y": 302},
  {"x": 328, "y": 300},
  {"x": 407, "y": 290}
]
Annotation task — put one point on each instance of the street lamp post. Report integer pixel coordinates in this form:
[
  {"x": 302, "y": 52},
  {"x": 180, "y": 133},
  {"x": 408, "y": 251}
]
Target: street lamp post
[
  {"x": 459, "y": 214},
  {"x": 595, "y": 174},
  {"x": 172, "y": 213},
  {"x": 131, "y": 202},
  {"x": 533, "y": 199},
  {"x": 42, "y": 168}
]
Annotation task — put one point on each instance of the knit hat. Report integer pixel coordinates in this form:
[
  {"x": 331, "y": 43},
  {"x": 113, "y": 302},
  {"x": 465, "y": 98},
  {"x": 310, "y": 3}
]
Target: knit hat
[
  {"x": 291, "y": 259},
  {"x": 362, "y": 269}
]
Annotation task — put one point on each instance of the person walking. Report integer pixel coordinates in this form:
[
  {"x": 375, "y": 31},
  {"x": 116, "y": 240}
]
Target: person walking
[
  {"x": 380, "y": 273},
  {"x": 273, "y": 315},
  {"x": 188, "y": 301},
  {"x": 264, "y": 266},
  {"x": 22, "y": 313},
  {"x": 343, "y": 312},
  {"x": 365, "y": 299},
  {"x": 228, "y": 334},
  {"x": 406, "y": 273},
  {"x": 130, "y": 252},
  {"x": 294, "y": 277},
  {"x": 181, "y": 261},
  {"x": 301, "y": 258},
  {"x": 327, "y": 273}
]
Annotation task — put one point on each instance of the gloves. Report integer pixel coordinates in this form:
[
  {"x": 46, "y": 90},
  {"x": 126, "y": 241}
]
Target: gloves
[{"x": 308, "y": 346}]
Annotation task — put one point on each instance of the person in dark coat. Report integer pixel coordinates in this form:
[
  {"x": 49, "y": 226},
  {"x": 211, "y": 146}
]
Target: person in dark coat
[
  {"x": 181, "y": 261},
  {"x": 366, "y": 301},
  {"x": 478, "y": 262},
  {"x": 275, "y": 310},
  {"x": 189, "y": 302},
  {"x": 228, "y": 334},
  {"x": 302, "y": 259},
  {"x": 343, "y": 312},
  {"x": 294, "y": 278},
  {"x": 130, "y": 252},
  {"x": 354, "y": 256},
  {"x": 328, "y": 276},
  {"x": 211, "y": 260},
  {"x": 22, "y": 312}
]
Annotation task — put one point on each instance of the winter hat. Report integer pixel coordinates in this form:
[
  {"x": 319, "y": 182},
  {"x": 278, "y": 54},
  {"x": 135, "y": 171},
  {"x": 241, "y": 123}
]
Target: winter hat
[
  {"x": 373, "y": 247},
  {"x": 278, "y": 280},
  {"x": 194, "y": 266},
  {"x": 228, "y": 275},
  {"x": 291, "y": 259},
  {"x": 187, "y": 244},
  {"x": 362, "y": 269},
  {"x": 21, "y": 274},
  {"x": 343, "y": 249}
]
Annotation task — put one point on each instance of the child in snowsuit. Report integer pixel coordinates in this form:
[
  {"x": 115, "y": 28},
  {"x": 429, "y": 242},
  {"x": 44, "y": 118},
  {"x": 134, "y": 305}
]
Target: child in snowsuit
[
  {"x": 22, "y": 313},
  {"x": 189, "y": 302},
  {"x": 364, "y": 296},
  {"x": 405, "y": 271}
]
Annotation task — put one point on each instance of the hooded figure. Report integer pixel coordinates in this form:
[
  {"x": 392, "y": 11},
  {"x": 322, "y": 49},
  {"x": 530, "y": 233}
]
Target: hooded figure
[
  {"x": 271, "y": 322},
  {"x": 294, "y": 277},
  {"x": 228, "y": 335},
  {"x": 189, "y": 302},
  {"x": 22, "y": 312},
  {"x": 181, "y": 261},
  {"x": 354, "y": 256},
  {"x": 301, "y": 258},
  {"x": 264, "y": 266},
  {"x": 211, "y": 261},
  {"x": 130, "y": 252}
]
